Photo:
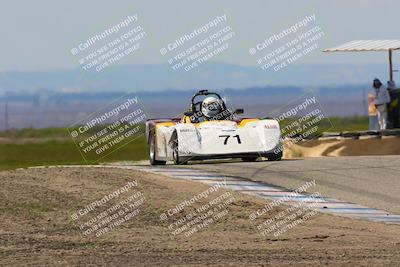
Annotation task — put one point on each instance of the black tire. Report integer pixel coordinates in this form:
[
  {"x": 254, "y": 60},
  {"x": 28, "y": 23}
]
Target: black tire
[
  {"x": 275, "y": 156},
  {"x": 249, "y": 159},
  {"x": 177, "y": 159},
  {"x": 152, "y": 152}
]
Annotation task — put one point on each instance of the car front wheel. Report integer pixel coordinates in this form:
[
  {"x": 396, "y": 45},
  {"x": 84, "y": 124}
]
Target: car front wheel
[
  {"x": 275, "y": 156},
  {"x": 178, "y": 160}
]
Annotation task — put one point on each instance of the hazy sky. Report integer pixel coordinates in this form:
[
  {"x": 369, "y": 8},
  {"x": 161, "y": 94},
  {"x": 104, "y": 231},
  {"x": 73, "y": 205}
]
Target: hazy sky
[{"x": 39, "y": 34}]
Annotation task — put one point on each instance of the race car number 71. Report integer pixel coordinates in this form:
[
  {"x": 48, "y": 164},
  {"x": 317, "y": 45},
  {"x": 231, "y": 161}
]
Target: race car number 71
[{"x": 226, "y": 136}]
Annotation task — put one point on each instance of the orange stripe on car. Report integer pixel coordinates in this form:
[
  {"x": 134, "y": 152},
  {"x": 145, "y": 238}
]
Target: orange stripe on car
[{"x": 245, "y": 121}]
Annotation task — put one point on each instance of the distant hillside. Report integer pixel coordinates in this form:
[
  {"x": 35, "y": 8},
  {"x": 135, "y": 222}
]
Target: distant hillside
[
  {"x": 161, "y": 77},
  {"x": 252, "y": 94}
]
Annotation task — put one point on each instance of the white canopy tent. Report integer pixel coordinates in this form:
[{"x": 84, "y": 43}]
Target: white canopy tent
[{"x": 369, "y": 45}]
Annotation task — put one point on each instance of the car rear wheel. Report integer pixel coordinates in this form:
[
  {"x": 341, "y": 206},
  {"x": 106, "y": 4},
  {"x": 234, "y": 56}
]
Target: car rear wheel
[{"x": 152, "y": 152}]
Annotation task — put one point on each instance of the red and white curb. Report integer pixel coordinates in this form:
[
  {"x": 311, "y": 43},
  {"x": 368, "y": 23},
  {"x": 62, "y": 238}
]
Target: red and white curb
[{"x": 271, "y": 192}]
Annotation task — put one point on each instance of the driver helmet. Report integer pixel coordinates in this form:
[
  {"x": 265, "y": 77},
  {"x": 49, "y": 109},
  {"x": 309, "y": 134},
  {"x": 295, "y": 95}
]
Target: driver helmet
[{"x": 211, "y": 106}]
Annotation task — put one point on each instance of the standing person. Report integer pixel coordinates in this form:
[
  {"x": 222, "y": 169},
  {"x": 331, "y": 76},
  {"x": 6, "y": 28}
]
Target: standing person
[{"x": 381, "y": 99}]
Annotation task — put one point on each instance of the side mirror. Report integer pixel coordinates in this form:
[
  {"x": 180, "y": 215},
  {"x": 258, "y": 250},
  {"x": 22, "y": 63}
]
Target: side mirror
[{"x": 238, "y": 111}]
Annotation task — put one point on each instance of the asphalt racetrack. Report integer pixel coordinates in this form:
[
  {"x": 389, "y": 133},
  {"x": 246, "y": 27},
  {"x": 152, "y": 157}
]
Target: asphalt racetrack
[{"x": 373, "y": 181}]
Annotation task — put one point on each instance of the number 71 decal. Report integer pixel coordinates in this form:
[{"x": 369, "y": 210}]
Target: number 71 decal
[{"x": 227, "y": 137}]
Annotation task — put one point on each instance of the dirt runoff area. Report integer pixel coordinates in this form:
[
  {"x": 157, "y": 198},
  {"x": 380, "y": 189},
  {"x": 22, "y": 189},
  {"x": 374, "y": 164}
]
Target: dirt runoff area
[
  {"x": 343, "y": 147},
  {"x": 66, "y": 217}
]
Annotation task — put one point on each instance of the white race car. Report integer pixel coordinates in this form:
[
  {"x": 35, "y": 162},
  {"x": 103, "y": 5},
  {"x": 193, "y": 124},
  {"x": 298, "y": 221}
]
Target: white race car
[{"x": 209, "y": 130}]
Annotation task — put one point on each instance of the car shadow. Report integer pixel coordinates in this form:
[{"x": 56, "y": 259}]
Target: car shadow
[{"x": 222, "y": 161}]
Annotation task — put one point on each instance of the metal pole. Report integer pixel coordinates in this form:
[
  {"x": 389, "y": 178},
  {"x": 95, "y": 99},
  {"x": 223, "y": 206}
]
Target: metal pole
[
  {"x": 390, "y": 66},
  {"x": 6, "y": 117},
  {"x": 364, "y": 100}
]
